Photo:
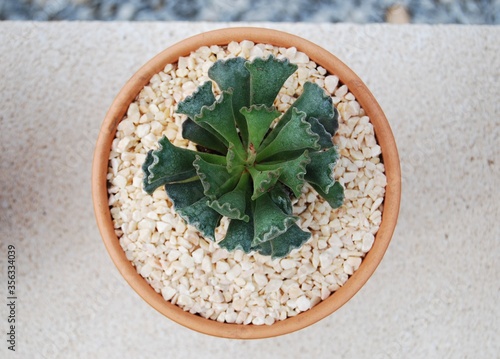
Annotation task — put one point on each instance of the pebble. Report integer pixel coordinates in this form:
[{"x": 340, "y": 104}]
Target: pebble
[
  {"x": 303, "y": 303},
  {"x": 198, "y": 255},
  {"x": 331, "y": 83},
  {"x": 300, "y": 58},
  {"x": 288, "y": 263},
  {"x": 222, "y": 267},
  {"x": 368, "y": 240},
  {"x": 260, "y": 279},
  {"x": 273, "y": 286},
  {"x": 187, "y": 260},
  {"x": 168, "y": 292}
]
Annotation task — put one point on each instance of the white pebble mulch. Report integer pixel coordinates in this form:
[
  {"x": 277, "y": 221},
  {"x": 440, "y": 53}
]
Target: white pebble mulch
[{"x": 235, "y": 287}]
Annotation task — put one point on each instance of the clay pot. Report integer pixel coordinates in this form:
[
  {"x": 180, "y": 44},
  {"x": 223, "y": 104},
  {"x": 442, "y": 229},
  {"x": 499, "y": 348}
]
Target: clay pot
[{"x": 384, "y": 137}]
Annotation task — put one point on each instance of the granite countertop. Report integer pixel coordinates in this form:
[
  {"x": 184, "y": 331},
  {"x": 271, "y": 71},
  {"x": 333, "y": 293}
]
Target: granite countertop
[{"x": 435, "y": 294}]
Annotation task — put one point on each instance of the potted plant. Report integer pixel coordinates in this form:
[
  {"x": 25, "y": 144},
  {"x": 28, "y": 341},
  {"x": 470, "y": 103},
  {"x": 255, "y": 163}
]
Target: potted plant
[{"x": 250, "y": 226}]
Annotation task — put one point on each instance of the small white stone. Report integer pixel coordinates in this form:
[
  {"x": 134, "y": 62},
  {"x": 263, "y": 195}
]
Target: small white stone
[
  {"x": 291, "y": 52},
  {"x": 260, "y": 279},
  {"x": 354, "y": 262},
  {"x": 288, "y": 263},
  {"x": 326, "y": 259},
  {"x": 341, "y": 92},
  {"x": 218, "y": 255},
  {"x": 288, "y": 284},
  {"x": 273, "y": 286},
  {"x": 300, "y": 58},
  {"x": 331, "y": 83},
  {"x": 234, "y": 48},
  {"x": 234, "y": 272},
  {"x": 143, "y": 130},
  {"x": 127, "y": 126},
  {"x": 186, "y": 260},
  {"x": 239, "y": 281},
  {"x": 256, "y": 51},
  {"x": 305, "y": 270},
  {"x": 246, "y": 44},
  {"x": 146, "y": 270},
  {"x": 206, "y": 265},
  {"x": 348, "y": 269},
  {"x": 221, "y": 267},
  {"x": 303, "y": 303},
  {"x": 239, "y": 304},
  {"x": 180, "y": 227},
  {"x": 295, "y": 292},
  {"x": 246, "y": 264},
  {"x": 217, "y": 297},
  {"x": 168, "y": 292},
  {"x": 368, "y": 240},
  {"x": 258, "y": 320},
  {"x": 376, "y": 150},
  {"x": 124, "y": 144},
  {"x": 231, "y": 317},
  {"x": 182, "y": 63},
  {"x": 120, "y": 181},
  {"x": 198, "y": 255},
  {"x": 185, "y": 300},
  {"x": 207, "y": 290}
]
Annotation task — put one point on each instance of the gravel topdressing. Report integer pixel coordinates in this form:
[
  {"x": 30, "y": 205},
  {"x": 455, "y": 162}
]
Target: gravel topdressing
[{"x": 235, "y": 287}]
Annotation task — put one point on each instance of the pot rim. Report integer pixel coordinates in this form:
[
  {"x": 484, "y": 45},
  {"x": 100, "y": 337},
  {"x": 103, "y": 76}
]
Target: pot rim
[{"x": 384, "y": 137}]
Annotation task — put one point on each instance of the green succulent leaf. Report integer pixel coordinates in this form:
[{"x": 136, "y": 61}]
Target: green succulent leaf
[
  {"x": 202, "y": 217},
  {"x": 238, "y": 236},
  {"x": 183, "y": 194},
  {"x": 282, "y": 245},
  {"x": 192, "y": 105},
  {"x": 325, "y": 139},
  {"x": 233, "y": 204},
  {"x": 232, "y": 75},
  {"x": 192, "y": 205},
  {"x": 320, "y": 169},
  {"x": 214, "y": 178},
  {"x": 269, "y": 220},
  {"x": 258, "y": 118},
  {"x": 263, "y": 181},
  {"x": 295, "y": 135},
  {"x": 235, "y": 161},
  {"x": 293, "y": 238},
  {"x": 220, "y": 117},
  {"x": 267, "y": 76},
  {"x": 314, "y": 102},
  {"x": 149, "y": 187},
  {"x": 171, "y": 164},
  {"x": 292, "y": 171},
  {"x": 193, "y": 132},
  {"x": 334, "y": 197},
  {"x": 281, "y": 198}
]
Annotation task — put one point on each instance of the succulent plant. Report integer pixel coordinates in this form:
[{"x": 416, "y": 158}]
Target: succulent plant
[{"x": 246, "y": 169}]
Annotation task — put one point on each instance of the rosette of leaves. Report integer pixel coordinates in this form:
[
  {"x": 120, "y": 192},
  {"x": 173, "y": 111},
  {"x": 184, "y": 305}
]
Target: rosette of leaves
[{"x": 246, "y": 169}]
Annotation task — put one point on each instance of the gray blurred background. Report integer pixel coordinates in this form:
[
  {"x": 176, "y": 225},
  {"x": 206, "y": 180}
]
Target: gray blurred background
[{"x": 356, "y": 11}]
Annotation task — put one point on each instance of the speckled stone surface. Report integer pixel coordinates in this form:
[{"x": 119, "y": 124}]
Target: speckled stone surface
[{"x": 435, "y": 294}]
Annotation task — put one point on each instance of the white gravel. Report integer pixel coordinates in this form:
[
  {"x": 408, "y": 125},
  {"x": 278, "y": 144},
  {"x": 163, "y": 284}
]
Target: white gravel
[{"x": 235, "y": 287}]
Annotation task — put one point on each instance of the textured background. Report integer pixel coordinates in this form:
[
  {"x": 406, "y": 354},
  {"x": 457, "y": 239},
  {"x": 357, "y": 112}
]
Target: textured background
[
  {"x": 360, "y": 11},
  {"x": 435, "y": 294}
]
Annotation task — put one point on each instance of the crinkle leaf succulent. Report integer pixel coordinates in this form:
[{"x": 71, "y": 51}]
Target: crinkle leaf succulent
[{"x": 246, "y": 169}]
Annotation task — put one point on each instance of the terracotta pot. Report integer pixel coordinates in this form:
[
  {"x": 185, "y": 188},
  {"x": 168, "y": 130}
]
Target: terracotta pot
[{"x": 384, "y": 137}]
